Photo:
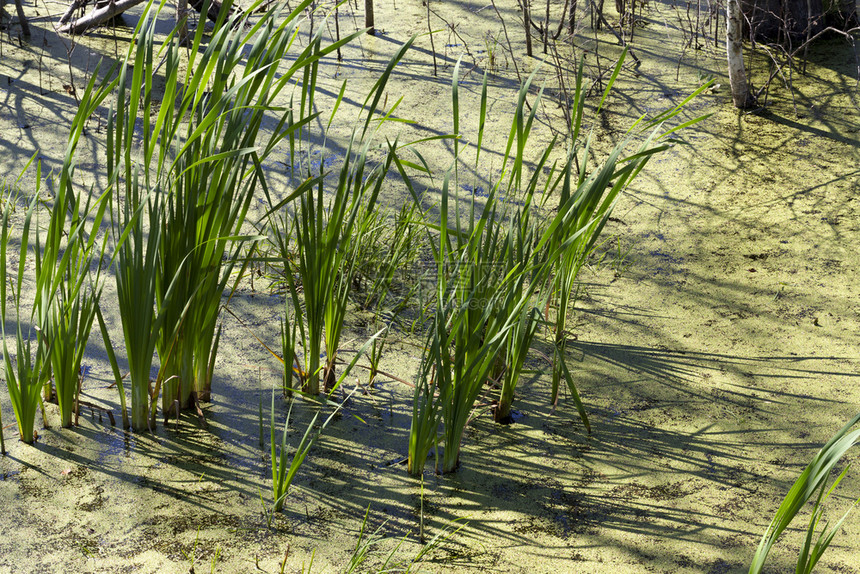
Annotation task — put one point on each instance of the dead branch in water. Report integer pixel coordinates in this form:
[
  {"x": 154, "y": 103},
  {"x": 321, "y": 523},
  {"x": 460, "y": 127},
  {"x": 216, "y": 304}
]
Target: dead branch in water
[{"x": 105, "y": 11}]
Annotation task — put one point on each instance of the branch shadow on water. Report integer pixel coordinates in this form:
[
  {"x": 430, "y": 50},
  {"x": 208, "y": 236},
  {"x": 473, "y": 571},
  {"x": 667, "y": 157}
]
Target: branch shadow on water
[{"x": 676, "y": 368}]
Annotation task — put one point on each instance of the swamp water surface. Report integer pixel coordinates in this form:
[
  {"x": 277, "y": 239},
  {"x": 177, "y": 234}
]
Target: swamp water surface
[{"x": 716, "y": 346}]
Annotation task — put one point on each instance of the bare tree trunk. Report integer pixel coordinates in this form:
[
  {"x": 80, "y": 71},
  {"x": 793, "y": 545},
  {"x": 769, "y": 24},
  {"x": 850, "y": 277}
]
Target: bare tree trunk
[
  {"x": 432, "y": 43},
  {"x": 735, "y": 53},
  {"x": 561, "y": 21},
  {"x": 546, "y": 28},
  {"x": 596, "y": 14},
  {"x": 808, "y": 31},
  {"x": 25, "y": 27},
  {"x": 528, "y": 24},
  {"x": 602, "y": 19},
  {"x": 337, "y": 37},
  {"x": 368, "y": 17},
  {"x": 182, "y": 20}
]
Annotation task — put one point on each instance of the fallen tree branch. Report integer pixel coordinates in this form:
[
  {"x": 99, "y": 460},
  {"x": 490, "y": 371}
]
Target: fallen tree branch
[
  {"x": 103, "y": 13},
  {"x": 70, "y": 11},
  {"x": 94, "y": 18},
  {"x": 847, "y": 34}
]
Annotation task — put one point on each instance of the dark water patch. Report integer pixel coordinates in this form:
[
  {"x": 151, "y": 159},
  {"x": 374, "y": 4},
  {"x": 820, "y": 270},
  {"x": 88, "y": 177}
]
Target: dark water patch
[
  {"x": 480, "y": 191},
  {"x": 315, "y": 161}
]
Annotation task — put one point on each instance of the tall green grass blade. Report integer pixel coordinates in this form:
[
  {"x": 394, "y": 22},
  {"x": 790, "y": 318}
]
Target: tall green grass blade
[
  {"x": 324, "y": 226},
  {"x": 26, "y": 373},
  {"x": 617, "y": 70},
  {"x": 812, "y": 480}
]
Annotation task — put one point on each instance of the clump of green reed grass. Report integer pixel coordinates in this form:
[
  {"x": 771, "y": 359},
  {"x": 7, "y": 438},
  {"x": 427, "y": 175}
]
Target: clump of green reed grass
[
  {"x": 496, "y": 266},
  {"x": 68, "y": 289},
  {"x": 812, "y": 483},
  {"x": 27, "y": 371},
  {"x": 326, "y": 224},
  {"x": 283, "y": 471},
  {"x": 475, "y": 305},
  {"x": 187, "y": 184},
  {"x": 65, "y": 296},
  {"x": 466, "y": 333},
  {"x": 73, "y": 308},
  {"x": 217, "y": 173},
  {"x": 482, "y": 290}
]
